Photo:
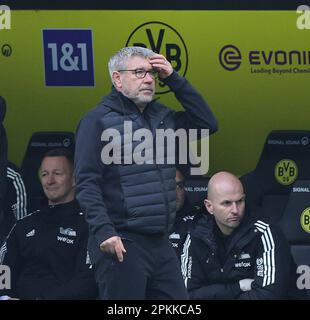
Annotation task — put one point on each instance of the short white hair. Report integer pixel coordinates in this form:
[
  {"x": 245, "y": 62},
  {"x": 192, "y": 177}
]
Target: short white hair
[{"x": 119, "y": 60}]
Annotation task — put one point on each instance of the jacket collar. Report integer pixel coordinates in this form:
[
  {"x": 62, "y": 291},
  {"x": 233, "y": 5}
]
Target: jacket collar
[
  {"x": 121, "y": 104},
  {"x": 242, "y": 235},
  {"x": 207, "y": 231},
  {"x": 63, "y": 209}
]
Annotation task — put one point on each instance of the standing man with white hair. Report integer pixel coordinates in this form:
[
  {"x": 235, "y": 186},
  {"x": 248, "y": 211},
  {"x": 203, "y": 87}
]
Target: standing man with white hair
[{"x": 130, "y": 207}]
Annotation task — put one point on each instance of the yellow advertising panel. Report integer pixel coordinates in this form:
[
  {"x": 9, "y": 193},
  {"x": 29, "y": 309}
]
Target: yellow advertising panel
[{"x": 253, "y": 67}]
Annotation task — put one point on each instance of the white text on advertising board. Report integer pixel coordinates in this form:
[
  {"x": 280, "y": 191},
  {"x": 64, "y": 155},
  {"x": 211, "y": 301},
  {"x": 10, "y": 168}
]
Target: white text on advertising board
[
  {"x": 5, "y": 17},
  {"x": 303, "y": 20},
  {"x": 5, "y": 277}
]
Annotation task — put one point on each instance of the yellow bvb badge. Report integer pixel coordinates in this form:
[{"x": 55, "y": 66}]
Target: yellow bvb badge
[
  {"x": 286, "y": 171},
  {"x": 305, "y": 220}
]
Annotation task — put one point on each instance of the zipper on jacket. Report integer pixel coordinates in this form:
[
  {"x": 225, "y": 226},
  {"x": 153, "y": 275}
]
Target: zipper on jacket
[
  {"x": 165, "y": 198},
  {"x": 144, "y": 117}
]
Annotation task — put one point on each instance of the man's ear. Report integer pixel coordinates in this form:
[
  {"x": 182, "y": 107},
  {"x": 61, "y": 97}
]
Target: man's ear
[
  {"x": 208, "y": 205},
  {"x": 116, "y": 77}
]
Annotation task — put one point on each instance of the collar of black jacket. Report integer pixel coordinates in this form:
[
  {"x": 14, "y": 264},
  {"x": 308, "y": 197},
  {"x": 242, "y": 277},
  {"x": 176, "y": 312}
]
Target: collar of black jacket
[
  {"x": 207, "y": 231},
  {"x": 121, "y": 104},
  {"x": 64, "y": 209}
]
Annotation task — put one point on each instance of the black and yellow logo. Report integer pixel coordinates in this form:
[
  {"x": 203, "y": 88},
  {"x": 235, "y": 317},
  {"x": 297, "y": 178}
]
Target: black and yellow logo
[
  {"x": 286, "y": 171},
  {"x": 163, "y": 39},
  {"x": 305, "y": 220}
]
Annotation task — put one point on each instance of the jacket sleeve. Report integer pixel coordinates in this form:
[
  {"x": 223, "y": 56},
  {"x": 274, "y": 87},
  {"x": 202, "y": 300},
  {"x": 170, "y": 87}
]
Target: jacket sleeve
[
  {"x": 16, "y": 193},
  {"x": 89, "y": 171},
  {"x": 198, "y": 114},
  {"x": 3, "y": 167},
  {"x": 81, "y": 286},
  {"x": 196, "y": 275},
  {"x": 272, "y": 266}
]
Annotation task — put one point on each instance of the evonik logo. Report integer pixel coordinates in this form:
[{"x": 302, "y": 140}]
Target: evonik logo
[
  {"x": 230, "y": 58},
  {"x": 5, "y": 17},
  {"x": 138, "y": 147}
]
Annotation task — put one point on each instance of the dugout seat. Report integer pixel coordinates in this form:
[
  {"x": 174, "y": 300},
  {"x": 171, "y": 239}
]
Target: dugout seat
[
  {"x": 295, "y": 224},
  {"x": 284, "y": 159},
  {"x": 196, "y": 188}
]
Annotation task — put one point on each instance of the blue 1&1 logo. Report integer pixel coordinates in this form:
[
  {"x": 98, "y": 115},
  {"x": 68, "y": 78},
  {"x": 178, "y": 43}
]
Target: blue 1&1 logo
[{"x": 68, "y": 57}]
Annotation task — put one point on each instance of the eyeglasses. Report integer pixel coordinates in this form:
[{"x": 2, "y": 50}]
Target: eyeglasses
[
  {"x": 141, "y": 73},
  {"x": 180, "y": 184}
]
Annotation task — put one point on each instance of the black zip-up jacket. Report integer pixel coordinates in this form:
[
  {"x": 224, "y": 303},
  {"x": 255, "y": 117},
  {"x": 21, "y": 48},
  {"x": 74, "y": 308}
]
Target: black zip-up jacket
[
  {"x": 15, "y": 206},
  {"x": 47, "y": 255},
  {"x": 214, "y": 264},
  {"x": 185, "y": 222},
  {"x": 138, "y": 198}
]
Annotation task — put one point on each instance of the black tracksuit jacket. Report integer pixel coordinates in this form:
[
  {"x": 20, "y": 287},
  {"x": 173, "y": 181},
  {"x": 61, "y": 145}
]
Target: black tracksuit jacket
[
  {"x": 47, "y": 255},
  {"x": 213, "y": 265},
  {"x": 185, "y": 222}
]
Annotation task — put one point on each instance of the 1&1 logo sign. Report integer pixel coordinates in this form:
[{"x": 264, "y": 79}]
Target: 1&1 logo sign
[
  {"x": 163, "y": 39},
  {"x": 68, "y": 57}
]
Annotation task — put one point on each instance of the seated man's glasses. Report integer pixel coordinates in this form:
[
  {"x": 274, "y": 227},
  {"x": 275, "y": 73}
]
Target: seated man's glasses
[{"x": 141, "y": 73}]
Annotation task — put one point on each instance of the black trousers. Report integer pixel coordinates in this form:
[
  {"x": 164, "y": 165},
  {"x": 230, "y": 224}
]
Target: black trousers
[{"x": 150, "y": 270}]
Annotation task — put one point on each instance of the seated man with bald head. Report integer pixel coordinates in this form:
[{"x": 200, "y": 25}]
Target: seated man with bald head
[{"x": 233, "y": 255}]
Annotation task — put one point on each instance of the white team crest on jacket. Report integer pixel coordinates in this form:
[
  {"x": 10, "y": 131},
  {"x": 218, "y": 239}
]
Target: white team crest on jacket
[
  {"x": 31, "y": 233},
  {"x": 174, "y": 236},
  {"x": 67, "y": 231},
  {"x": 244, "y": 256}
]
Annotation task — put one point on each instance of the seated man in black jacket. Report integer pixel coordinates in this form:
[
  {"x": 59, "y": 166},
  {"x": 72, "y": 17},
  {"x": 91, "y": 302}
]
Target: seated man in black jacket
[
  {"x": 47, "y": 250},
  {"x": 235, "y": 256},
  {"x": 13, "y": 197},
  {"x": 15, "y": 204},
  {"x": 186, "y": 216}
]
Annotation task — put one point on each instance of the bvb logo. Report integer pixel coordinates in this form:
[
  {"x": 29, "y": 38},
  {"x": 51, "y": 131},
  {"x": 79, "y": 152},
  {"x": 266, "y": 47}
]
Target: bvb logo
[
  {"x": 286, "y": 171},
  {"x": 163, "y": 39},
  {"x": 305, "y": 220}
]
